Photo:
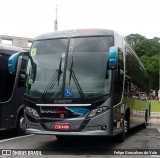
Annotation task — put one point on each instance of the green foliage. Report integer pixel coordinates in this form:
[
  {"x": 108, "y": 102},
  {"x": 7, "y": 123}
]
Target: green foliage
[
  {"x": 134, "y": 38},
  {"x": 155, "y": 106},
  {"x": 148, "y": 47},
  {"x": 141, "y": 105},
  {"x": 151, "y": 65}
]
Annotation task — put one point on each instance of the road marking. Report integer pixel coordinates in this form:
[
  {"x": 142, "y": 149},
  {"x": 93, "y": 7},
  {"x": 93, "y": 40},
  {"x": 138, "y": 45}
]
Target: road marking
[
  {"x": 15, "y": 138},
  {"x": 155, "y": 155},
  {"x": 158, "y": 130}
]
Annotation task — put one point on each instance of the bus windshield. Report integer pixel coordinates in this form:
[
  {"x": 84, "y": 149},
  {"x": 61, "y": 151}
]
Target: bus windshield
[{"x": 76, "y": 65}]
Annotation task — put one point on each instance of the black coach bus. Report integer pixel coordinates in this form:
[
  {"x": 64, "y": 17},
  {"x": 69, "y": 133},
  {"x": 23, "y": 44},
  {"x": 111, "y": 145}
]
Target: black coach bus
[
  {"x": 11, "y": 92},
  {"x": 84, "y": 82}
]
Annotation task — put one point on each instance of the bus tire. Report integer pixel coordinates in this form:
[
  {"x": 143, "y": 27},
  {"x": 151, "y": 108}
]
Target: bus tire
[
  {"x": 20, "y": 129},
  {"x": 149, "y": 110}
]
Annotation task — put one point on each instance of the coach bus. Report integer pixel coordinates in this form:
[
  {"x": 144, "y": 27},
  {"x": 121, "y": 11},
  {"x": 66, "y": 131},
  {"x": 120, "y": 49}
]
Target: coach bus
[
  {"x": 11, "y": 92},
  {"x": 83, "y": 83}
]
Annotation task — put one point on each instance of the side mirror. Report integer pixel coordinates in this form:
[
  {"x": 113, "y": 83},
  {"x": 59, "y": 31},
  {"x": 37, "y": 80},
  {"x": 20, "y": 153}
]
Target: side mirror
[
  {"x": 113, "y": 58},
  {"x": 17, "y": 64},
  {"x": 12, "y": 63}
]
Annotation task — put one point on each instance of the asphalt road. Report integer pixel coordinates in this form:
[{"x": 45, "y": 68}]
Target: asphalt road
[{"x": 138, "y": 138}]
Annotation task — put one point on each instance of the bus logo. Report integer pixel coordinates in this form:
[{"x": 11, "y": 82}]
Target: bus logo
[
  {"x": 68, "y": 92},
  {"x": 6, "y": 152}
]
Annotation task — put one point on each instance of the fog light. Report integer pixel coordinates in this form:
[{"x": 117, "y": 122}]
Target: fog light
[{"x": 104, "y": 128}]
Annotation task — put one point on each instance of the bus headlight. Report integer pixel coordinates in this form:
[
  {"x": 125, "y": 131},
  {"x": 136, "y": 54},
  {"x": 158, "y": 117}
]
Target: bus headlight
[
  {"x": 32, "y": 111},
  {"x": 98, "y": 111}
]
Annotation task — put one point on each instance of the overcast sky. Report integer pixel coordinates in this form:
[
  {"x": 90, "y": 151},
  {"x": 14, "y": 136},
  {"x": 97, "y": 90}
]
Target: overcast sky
[{"x": 29, "y": 18}]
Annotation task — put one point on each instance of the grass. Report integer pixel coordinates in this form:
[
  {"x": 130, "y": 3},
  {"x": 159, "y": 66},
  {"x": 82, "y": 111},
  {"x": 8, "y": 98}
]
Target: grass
[
  {"x": 142, "y": 105},
  {"x": 155, "y": 106}
]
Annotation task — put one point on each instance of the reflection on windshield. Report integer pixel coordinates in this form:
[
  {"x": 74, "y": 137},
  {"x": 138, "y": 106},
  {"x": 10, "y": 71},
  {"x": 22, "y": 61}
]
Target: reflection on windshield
[
  {"x": 55, "y": 78},
  {"x": 90, "y": 66},
  {"x": 49, "y": 57},
  {"x": 85, "y": 71}
]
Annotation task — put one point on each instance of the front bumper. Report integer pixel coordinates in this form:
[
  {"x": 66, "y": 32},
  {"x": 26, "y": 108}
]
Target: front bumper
[
  {"x": 98, "y": 126},
  {"x": 85, "y": 133}
]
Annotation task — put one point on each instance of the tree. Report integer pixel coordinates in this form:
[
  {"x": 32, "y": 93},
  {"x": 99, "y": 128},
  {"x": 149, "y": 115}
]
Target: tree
[
  {"x": 156, "y": 39},
  {"x": 151, "y": 65},
  {"x": 134, "y": 38},
  {"x": 148, "y": 47}
]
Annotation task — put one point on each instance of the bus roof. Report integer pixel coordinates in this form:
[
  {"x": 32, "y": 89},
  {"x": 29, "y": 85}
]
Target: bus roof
[
  {"x": 75, "y": 33},
  {"x": 9, "y": 47}
]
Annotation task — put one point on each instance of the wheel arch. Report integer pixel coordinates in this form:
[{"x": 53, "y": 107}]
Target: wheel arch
[{"x": 19, "y": 113}]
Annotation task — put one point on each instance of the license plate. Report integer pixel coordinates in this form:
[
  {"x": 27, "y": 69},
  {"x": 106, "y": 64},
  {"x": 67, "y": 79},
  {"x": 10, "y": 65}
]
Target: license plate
[{"x": 62, "y": 126}]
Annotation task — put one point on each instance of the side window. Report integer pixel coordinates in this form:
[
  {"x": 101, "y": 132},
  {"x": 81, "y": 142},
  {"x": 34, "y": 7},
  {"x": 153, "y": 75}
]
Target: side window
[
  {"x": 129, "y": 85},
  {"x": 135, "y": 73}
]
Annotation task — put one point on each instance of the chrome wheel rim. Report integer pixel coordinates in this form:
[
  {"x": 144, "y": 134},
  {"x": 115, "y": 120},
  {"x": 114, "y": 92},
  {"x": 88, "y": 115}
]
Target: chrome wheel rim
[{"x": 21, "y": 123}]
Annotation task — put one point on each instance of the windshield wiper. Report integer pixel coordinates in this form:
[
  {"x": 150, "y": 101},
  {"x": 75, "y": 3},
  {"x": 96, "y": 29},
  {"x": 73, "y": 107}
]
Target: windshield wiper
[
  {"x": 56, "y": 77},
  {"x": 72, "y": 74},
  {"x": 59, "y": 70}
]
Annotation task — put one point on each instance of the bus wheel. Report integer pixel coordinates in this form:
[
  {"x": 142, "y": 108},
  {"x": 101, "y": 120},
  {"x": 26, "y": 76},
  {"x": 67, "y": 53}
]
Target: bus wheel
[{"x": 21, "y": 125}]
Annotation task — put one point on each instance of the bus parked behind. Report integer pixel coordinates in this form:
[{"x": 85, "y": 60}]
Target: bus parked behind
[{"x": 11, "y": 92}]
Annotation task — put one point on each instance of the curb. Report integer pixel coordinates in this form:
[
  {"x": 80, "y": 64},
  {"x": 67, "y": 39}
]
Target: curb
[{"x": 155, "y": 115}]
